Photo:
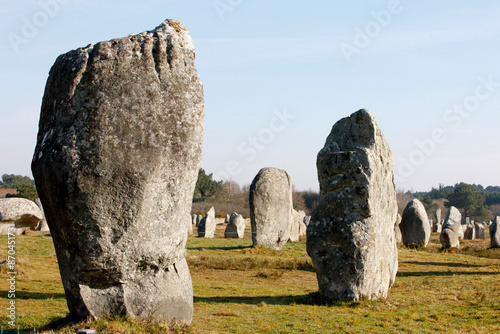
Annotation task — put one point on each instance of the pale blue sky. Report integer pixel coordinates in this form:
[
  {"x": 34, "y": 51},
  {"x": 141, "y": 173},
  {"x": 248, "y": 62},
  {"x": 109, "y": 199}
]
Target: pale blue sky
[{"x": 412, "y": 63}]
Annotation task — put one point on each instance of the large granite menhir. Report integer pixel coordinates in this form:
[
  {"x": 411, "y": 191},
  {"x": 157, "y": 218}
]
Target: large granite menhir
[
  {"x": 351, "y": 237},
  {"x": 271, "y": 208},
  {"x": 115, "y": 165}
]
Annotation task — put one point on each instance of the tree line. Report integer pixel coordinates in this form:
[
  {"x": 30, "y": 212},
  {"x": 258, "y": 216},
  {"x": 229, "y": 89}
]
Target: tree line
[{"x": 475, "y": 201}]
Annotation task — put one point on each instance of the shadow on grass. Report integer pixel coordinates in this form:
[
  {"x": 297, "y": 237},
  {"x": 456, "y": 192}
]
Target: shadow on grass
[
  {"x": 312, "y": 298},
  {"x": 37, "y": 295},
  {"x": 445, "y": 273},
  {"x": 60, "y": 323},
  {"x": 219, "y": 248},
  {"x": 309, "y": 299},
  {"x": 445, "y": 264}
]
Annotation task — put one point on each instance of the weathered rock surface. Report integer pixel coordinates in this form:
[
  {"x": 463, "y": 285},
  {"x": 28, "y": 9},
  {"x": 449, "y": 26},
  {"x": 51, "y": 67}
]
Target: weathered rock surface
[
  {"x": 116, "y": 162},
  {"x": 415, "y": 227},
  {"x": 206, "y": 228},
  {"x": 20, "y": 213},
  {"x": 351, "y": 234},
  {"x": 236, "y": 227},
  {"x": 495, "y": 233},
  {"x": 451, "y": 229},
  {"x": 397, "y": 230},
  {"x": 271, "y": 208},
  {"x": 42, "y": 225}
]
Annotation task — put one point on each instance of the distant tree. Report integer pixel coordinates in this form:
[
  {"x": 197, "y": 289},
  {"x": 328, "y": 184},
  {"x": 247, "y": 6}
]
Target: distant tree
[
  {"x": 25, "y": 191},
  {"x": 206, "y": 186},
  {"x": 311, "y": 199},
  {"x": 15, "y": 181},
  {"x": 468, "y": 198},
  {"x": 429, "y": 205}
]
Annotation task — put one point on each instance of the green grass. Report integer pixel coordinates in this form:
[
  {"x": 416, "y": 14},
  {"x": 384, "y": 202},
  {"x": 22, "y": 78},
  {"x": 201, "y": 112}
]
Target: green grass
[{"x": 241, "y": 289}]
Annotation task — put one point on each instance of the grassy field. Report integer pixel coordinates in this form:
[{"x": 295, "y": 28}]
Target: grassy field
[{"x": 241, "y": 289}]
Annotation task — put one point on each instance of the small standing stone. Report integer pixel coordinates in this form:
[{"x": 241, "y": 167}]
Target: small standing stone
[
  {"x": 271, "y": 208},
  {"x": 302, "y": 225},
  {"x": 470, "y": 232},
  {"x": 294, "y": 226},
  {"x": 480, "y": 233},
  {"x": 236, "y": 227},
  {"x": 414, "y": 226},
  {"x": 198, "y": 220},
  {"x": 307, "y": 220},
  {"x": 495, "y": 233},
  {"x": 42, "y": 225},
  {"x": 397, "y": 230},
  {"x": 206, "y": 229},
  {"x": 451, "y": 226}
]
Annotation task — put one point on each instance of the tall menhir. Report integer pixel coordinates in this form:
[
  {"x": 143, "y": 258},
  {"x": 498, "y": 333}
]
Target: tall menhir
[
  {"x": 350, "y": 237},
  {"x": 116, "y": 162}
]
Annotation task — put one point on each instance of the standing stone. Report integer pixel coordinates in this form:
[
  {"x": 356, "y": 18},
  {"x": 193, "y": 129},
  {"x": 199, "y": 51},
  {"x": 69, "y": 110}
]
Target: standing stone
[
  {"x": 193, "y": 219},
  {"x": 236, "y": 227},
  {"x": 116, "y": 162},
  {"x": 480, "y": 233},
  {"x": 437, "y": 218},
  {"x": 495, "y": 233},
  {"x": 451, "y": 227},
  {"x": 294, "y": 226},
  {"x": 189, "y": 222},
  {"x": 19, "y": 213},
  {"x": 470, "y": 232},
  {"x": 414, "y": 226},
  {"x": 397, "y": 230},
  {"x": 307, "y": 220},
  {"x": 42, "y": 225},
  {"x": 351, "y": 234},
  {"x": 271, "y": 208},
  {"x": 302, "y": 225},
  {"x": 198, "y": 220},
  {"x": 227, "y": 220},
  {"x": 461, "y": 231},
  {"x": 206, "y": 228}
]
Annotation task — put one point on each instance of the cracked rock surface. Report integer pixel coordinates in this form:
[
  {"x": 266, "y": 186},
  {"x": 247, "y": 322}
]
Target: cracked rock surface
[{"x": 115, "y": 165}]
